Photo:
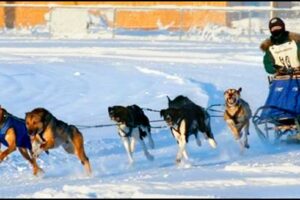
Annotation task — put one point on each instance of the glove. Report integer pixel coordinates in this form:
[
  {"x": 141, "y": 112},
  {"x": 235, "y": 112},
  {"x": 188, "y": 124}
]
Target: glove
[
  {"x": 284, "y": 70},
  {"x": 280, "y": 69},
  {"x": 296, "y": 70}
]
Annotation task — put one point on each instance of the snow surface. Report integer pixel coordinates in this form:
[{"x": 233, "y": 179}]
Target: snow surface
[{"x": 76, "y": 80}]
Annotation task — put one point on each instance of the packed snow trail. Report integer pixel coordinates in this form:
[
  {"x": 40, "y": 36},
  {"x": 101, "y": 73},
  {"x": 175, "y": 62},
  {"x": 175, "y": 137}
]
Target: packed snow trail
[{"x": 77, "y": 81}]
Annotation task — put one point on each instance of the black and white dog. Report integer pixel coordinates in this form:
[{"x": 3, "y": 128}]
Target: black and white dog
[
  {"x": 185, "y": 118},
  {"x": 133, "y": 125}
]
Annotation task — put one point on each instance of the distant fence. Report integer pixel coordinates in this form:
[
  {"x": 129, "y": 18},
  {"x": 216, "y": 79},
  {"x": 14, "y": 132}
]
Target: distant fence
[{"x": 204, "y": 23}]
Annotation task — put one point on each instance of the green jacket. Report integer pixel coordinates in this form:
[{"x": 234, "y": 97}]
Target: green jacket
[{"x": 268, "y": 60}]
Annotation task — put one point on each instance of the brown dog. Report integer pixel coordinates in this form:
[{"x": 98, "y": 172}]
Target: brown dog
[
  {"x": 50, "y": 133},
  {"x": 237, "y": 116},
  {"x": 13, "y": 134}
]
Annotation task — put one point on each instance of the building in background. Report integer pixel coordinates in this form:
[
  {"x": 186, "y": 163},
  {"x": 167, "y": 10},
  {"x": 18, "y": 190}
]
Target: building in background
[{"x": 22, "y": 17}]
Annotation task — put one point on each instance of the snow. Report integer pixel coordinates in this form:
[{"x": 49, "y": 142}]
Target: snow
[{"x": 76, "y": 80}]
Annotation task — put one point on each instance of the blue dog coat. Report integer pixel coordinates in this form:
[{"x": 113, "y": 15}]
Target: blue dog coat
[{"x": 22, "y": 137}]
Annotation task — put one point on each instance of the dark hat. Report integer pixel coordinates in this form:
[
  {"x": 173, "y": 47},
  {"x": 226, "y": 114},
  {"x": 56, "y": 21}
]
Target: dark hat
[{"x": 276, "y": 25}]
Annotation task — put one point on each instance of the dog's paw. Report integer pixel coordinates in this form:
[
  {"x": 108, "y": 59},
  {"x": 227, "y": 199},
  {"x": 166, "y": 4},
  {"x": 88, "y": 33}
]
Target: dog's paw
[
  {"x": 1, "y": 157},
  {"x": 38, "y": 171},
  {"x": 212, "y": 143},
  {"x": 178, "y": 161},
  {"x": 150, "y": 157},
  {"x": 198, "y": 141},
  {"x": 131, "y": 161},
  {"x": 247, "y": 146},
  {"x": 242, "y": 147},
  {"x": 37, "y": 153},
  {"x": 237, "y": 137}
]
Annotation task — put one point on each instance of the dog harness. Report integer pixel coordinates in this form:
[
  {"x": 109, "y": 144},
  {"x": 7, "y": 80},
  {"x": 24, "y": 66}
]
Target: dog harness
[
  {"x": 234, "y": 117},
  {"x": 22, "y": 137},
  {"x": 176, "y": 127}
]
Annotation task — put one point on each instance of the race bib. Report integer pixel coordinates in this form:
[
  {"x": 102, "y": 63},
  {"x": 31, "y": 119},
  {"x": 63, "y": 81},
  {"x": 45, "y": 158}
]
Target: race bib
[{"x": 285, "y": 55}]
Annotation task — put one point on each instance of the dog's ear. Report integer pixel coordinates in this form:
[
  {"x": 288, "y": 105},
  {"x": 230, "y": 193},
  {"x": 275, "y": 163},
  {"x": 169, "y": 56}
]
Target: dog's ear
[
  {"x": 169, "y": 100},
  {"x": 26, "y": 114},
  {"x": 46, "y": 118},
  {"x": 109, "y": 109},
  {"x": 239, "y": 90}
]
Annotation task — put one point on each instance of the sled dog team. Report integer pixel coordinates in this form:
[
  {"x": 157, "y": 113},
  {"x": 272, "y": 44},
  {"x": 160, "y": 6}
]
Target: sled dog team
[{"x": 41, "y": 131}]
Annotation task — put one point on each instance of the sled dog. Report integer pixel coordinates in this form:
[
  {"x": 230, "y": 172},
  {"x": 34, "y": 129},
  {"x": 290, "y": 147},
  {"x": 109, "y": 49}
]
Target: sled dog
[
  {"x": 48, "y": 132},
  {"x": 133, "y": 125},
  {"x": 237, "y": 116},
  {"x": 13, "y": 134},
  {"x": 185, "y": 118}
]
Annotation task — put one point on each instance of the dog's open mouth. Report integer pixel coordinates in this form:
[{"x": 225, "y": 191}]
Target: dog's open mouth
[
  {"x": 32, "y": 132},
  {"x": 231, "y": 100}
]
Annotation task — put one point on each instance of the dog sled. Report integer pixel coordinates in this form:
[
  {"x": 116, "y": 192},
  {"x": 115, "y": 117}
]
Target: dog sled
[{"x": 278, "y": 120}]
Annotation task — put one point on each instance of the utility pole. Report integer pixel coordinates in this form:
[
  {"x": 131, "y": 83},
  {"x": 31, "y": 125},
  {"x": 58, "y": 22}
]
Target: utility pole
[
  {"x": 273, "y": 4},
  {"x": 9, "y": 15}
]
